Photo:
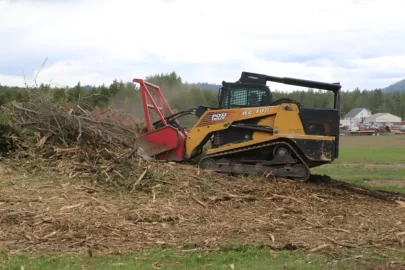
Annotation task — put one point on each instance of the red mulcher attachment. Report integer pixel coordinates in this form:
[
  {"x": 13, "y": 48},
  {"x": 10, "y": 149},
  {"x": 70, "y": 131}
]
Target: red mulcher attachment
[{"x": 163, "y": 139}]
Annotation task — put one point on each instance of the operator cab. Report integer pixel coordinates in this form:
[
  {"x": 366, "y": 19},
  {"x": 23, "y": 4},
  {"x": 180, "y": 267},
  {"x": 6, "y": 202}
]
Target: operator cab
[
  {"x": 240, "y": 95},
  {"x": 243, "y": 95}
]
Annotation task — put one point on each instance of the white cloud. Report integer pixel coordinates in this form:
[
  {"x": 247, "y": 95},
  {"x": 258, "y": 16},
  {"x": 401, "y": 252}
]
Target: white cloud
[
  {"x": 382, "y": 63},
  {"x": 94, "y": 41},
  {"x": 11, "y": 80}
]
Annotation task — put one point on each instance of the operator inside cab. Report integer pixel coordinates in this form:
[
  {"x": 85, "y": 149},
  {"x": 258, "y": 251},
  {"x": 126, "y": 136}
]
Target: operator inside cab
[{"x": 253, "y": 100}]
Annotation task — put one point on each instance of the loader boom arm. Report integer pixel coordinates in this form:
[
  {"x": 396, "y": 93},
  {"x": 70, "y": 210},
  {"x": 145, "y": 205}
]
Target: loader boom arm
[
  {"x": 249, "y": 77},
  {"x": 215, "y": 120}
]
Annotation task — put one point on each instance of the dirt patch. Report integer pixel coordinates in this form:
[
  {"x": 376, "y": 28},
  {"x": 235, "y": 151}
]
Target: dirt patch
[
  {"x": 392, "y": 166},
  {"x": 4, "y": 172},
  {"x": 385, "y": 267},
  {"x": 194, "y": 209},
  {"x": 365, "y": 165},
  {"x": 386, "y": 183},
  {"x": 374, "y": 141}
]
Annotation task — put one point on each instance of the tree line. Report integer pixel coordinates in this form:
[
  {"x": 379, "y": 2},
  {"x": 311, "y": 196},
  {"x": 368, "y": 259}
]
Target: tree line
[{"x": 181, "y": 96}]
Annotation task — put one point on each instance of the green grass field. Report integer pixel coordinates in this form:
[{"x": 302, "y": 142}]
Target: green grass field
[
  {"x": 362, "y": 161},
  {"x": 239, "y": 258},
  {"x": 375, "y": 162},
  {"x": 371, "y": 155}
]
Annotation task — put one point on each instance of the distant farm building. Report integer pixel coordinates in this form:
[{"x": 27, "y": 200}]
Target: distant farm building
[
  {"x": 383, "y": 118},
  {"x": 357, "y": 115}
]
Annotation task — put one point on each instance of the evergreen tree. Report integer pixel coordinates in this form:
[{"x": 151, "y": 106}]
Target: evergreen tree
[{"x": 181, "y": 96}]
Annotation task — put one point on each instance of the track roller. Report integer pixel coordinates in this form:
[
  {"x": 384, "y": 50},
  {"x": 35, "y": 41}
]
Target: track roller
[{"x": 285, "y": 162}]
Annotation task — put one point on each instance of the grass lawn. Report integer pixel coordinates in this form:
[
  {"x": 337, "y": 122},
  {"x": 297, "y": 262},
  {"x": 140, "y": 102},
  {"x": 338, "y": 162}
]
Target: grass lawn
[
  {"x": 372, "y": 155},
  {"x": 376, "y": 162},
  {"x": 240, "y": 258}
]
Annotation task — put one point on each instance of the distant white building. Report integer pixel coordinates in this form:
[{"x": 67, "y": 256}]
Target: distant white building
[
  {"x": 383, "y": 118},
  {"x": 344, "y": 122},
  {"x": 357, "y": 115}
]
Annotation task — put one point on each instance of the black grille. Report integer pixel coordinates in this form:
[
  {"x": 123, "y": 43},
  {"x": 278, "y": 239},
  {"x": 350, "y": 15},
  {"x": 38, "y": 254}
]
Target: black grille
[
  {"x": 240, "y": 96},
  {"x": 219, "y": 139},
  {"x": 231, "y": 135}
]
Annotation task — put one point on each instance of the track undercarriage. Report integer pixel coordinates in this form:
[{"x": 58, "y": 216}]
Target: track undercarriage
[{"x": 276, "y": 158}]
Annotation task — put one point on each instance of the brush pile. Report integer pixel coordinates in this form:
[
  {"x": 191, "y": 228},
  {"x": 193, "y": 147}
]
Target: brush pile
[{"x": 74, "y": 140}]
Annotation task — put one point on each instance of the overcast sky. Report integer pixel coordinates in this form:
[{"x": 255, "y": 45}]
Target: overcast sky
[{"x": 359, "y": 43}]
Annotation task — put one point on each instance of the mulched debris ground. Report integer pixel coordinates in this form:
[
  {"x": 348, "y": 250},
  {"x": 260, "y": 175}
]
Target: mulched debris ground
[{"x": 179, "y": 206}]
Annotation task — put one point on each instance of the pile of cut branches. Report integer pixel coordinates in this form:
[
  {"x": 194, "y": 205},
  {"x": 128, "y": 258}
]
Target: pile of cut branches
[
  {"x": 70, "y": 125},
  {"x": 79, "y": 140}
]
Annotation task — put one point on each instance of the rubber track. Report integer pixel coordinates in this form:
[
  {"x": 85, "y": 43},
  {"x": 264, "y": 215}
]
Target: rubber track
[{"x": 248, "y": 148}]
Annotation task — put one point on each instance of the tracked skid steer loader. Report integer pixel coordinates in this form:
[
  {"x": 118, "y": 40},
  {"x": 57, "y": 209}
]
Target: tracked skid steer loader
[{"x": 249, "y": 132}]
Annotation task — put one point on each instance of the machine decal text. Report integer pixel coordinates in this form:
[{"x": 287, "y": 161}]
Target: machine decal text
[
  {"x": 218, "y": 116},
  {"x": 262, "y": 110}
]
